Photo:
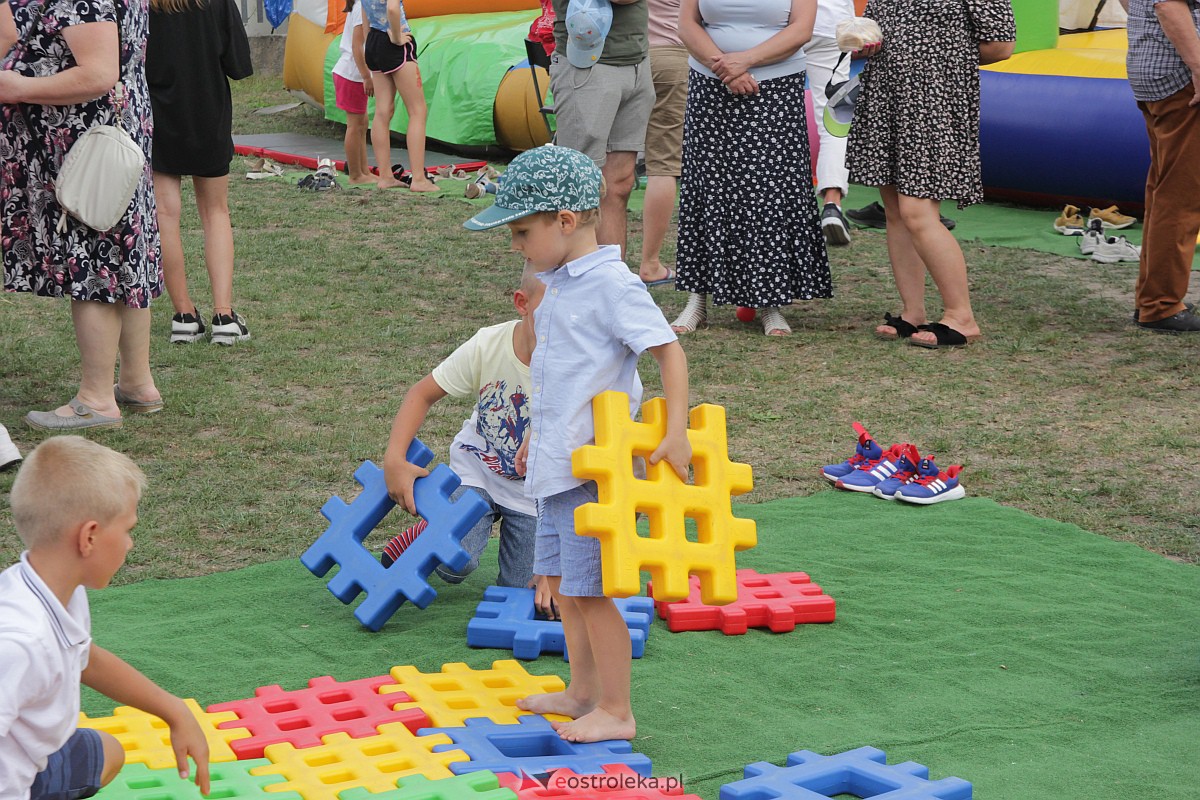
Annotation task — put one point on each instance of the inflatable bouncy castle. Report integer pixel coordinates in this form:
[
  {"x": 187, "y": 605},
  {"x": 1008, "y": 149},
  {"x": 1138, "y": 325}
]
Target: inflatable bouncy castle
[
  {"x": 1058, "y": 120},
  {"x": 478, "y": 84}
]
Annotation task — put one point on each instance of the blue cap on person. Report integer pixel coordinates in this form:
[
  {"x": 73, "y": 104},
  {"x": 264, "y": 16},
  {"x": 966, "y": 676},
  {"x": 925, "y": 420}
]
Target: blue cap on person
[
  {"x": 588, "y": 23},
  {"x": 546, "y": 178}
]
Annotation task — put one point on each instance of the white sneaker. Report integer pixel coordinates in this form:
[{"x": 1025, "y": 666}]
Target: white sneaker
[
  {"x": 1092, "y": 238},
  {"x": 1116, "y": 248},
  {"x": 9, "y": 454},
  {"x": 229, "y": 328}
]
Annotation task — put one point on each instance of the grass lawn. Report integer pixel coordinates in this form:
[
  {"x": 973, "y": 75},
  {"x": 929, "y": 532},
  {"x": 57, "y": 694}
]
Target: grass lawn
[{"x": 1065, "y": 410}]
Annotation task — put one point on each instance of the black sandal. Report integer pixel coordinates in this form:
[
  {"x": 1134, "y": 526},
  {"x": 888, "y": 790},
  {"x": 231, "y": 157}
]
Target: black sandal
[
  {"x": 904, "y": 328},
  {"x": 945, "y": 335}
]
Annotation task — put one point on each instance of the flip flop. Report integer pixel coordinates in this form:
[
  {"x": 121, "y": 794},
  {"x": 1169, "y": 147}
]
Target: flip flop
[
  {"x": 904, "y": 328},
  {"x": 946, "y": 337},
  {"x": 662, "y": 281}
]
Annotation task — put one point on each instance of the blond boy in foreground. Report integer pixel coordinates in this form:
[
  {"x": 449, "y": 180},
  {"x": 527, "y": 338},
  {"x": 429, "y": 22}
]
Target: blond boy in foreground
[{"x": 74, "y": 504}]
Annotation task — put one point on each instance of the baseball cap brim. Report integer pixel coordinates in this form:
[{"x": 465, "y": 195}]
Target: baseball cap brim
[
  {"x": 494, "y": 216},
  {"x": 839, "y": 112}
]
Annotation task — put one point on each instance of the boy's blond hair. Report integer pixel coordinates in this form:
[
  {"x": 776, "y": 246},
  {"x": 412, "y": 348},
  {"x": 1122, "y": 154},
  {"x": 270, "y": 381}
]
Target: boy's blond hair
[{"x": 69, "y": 480}]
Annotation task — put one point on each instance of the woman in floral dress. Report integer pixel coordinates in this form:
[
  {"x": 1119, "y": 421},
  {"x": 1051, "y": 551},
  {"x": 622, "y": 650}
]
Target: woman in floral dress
[
  {"x": 55, "y": 83},
  {"x": 916, "y": 136}
]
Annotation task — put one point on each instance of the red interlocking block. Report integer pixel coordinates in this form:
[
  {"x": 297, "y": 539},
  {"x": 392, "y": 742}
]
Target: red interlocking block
[
  {"x": 779, "y": 601},
  {"x": 617, "y": 782},
  {"x": 327, "y": 706}
]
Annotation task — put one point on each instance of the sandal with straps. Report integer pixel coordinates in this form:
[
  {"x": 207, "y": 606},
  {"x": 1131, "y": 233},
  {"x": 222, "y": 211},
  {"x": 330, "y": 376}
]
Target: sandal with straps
[
  {"x": 693, "y": 316},
  {"x": 904, "y": 328},
  {"x": 773, "y": 322}
]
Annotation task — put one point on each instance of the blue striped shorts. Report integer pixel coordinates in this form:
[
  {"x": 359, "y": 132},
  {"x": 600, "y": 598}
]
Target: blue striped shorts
[
  {"x": 72, "y": 772},
  {"x": 558, "y": 550}
]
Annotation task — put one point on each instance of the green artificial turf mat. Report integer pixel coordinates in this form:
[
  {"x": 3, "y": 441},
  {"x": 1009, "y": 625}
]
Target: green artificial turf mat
[{"x": 1030, "y": 657}]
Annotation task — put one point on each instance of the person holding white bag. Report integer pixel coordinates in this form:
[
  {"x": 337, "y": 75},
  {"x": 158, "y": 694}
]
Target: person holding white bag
[{"x": 78, "y": 64}]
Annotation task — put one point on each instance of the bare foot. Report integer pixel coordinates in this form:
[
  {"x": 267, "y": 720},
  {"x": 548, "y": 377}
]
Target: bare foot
[
  {"x": 423, "y": 186},
  {"x": 596, "y": 726},
  {"x": 389, "y": 183},
  {"x": 555, "y": 703},
  {"x": 359, "y": 180}
]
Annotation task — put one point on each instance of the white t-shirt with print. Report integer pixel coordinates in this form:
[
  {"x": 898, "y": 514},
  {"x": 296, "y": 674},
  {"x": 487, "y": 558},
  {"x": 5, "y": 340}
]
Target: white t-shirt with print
[{"x": 483, "y": 454}]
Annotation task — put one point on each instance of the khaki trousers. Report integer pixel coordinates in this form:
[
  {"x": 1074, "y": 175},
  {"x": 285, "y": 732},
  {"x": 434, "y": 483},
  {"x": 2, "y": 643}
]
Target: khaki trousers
[{"x": 1172, "y": 218}]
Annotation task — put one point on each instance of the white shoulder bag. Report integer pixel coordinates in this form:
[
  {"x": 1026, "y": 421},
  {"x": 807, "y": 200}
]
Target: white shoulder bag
[{"x": 99, "y": 175}]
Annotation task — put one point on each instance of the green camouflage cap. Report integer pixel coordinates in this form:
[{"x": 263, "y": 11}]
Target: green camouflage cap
[{"x": 546, "y": 178}]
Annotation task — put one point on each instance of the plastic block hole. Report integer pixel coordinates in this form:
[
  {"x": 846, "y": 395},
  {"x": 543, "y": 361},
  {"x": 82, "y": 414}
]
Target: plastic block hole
[
  {"x": 322, "y": 760},
  {"x": 445, "y": 685},
  {"x": 294, "y": 724},
  {"x": 333, "y": 778},
  {"x": 498, "y": 683},
  {"x": 767, "y": 594},
  {"x": 280, "y": 707},
  {"x": 221, "y": 793},
  {"x": 462, "y": 702},
  {"x": 334, "y": 697},
  {"x": 347, "y": 714},
  {"x": 145, "y": 783},
  {"x": 380, "y": 749},
  {"x": 402, "y": 764},
  {"x": 754, "y": 583},
  {"x": 690, "y": 530},
  {"x": 526, "y": 745}
]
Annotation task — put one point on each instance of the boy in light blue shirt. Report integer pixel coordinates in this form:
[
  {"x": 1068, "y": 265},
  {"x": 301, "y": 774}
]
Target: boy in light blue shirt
[{"x": 595, "y": 319}]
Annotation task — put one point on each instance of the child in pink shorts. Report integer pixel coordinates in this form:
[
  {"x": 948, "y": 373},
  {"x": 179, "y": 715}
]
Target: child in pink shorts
[{"x": 351, "y": 91}]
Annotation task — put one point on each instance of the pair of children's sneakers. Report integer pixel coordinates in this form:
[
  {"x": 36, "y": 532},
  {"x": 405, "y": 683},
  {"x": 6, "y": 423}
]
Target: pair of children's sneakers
[
  {"x": 1071, "y": 221},
  {"x": 898, "y": 473}
]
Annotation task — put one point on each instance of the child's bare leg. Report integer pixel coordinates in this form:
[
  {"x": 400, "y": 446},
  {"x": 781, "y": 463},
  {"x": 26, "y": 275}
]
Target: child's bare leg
[
  {"x": 611, "y": 658},
  {"x": 408, "y": 82},
  {"x": 114, "y": 758},
  {"x": 356, "y": 149},
  {"x": 580, "y": 696},
  {"x": 381, "y": 131}
]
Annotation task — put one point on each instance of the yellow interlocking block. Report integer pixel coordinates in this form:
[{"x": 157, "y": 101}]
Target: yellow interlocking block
[
  {"x": 373, "y": 763},
  {"x": 666, "y": 553},
  {"x": 458, "y": 693},
  {"x": 147, "y": 739}
]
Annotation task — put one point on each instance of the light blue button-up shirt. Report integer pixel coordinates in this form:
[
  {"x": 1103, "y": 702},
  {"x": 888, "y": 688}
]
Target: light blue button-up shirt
[{"x": 593, "y": 323}]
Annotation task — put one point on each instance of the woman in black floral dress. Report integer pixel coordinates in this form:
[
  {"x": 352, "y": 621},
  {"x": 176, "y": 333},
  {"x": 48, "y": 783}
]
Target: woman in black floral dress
[
  {"x": 56, "y": 83},
  {"x": 916, "y": 136}
]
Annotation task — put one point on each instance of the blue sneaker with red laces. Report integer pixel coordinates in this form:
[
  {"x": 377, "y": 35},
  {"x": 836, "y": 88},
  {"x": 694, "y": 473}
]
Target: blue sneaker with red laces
[
  {"x": 887, "y": 488},
  {"x": 934, "y": 488},
  {"x": 867, "y": 450},
  {"x": 898, "y": 458}
]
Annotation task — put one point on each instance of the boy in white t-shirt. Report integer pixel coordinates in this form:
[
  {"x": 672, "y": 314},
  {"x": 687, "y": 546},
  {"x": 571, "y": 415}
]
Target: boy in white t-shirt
[
  {"x": 74, "y": 503},
  {"x": 492, "y": 368}
]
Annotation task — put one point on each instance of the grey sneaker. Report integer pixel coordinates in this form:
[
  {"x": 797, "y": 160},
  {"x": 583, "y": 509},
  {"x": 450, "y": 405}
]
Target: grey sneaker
[
  {"x": 229, "y": 328},
  {"x": 187, "y": 328},
  {"x": 833, "y": 225},
  {"x": 83, "y": 417}
]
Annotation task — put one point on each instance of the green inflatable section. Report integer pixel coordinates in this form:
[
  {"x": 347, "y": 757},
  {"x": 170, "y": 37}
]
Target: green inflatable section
[
  {"x": 1037, "y": 25},
  {"x": 463, "y": 58}
]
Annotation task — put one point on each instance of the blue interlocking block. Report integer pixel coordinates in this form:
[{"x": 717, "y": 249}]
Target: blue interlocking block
[
  {"x": 532, "y": 747},
  {"x": 506, "y": 618},
  {"x": 359, "y": 570},
  {"x": 863, "y": 773}
]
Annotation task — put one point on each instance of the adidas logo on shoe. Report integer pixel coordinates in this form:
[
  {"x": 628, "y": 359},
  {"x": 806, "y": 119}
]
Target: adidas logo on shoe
[
  {"x": 887, "y": 489},
  {"x": 867, "y": 450},
  {"x": 898, "y": 458},
  {"x": 934, "y": 488}
]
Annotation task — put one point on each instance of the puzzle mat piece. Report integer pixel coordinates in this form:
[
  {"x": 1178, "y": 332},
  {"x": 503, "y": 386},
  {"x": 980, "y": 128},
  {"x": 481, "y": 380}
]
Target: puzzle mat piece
[
  {"x": 228, "y": 779},
  {"x": 147, "y": 739},
  {"x": 532, "y": 746},
  {"x": 373, "y": 763},
  {"x": 359, "y": 570},
  {"x": 617, "y": 782},
  {"x": 776, "y": 600},
  {"x": 303, "y": 716},
  {"x": 863, "y": 773},
  {"x": 473, "y": 786},
  {"x": 459, "y": 693},
  {"x": 666, "y": 554},
  {"x": 506, "y": 618}
]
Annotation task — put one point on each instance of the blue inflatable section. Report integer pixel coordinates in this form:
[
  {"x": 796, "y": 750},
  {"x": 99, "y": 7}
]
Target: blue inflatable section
[{"x": 1052, "y": 137}]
